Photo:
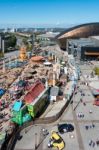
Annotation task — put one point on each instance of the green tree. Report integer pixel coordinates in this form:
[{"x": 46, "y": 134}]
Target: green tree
[
  {"x": 1, "y": 55},
  {"x": 29, "y": 47},
  {"x": 25, "y": 42},
  {"x": 96, "y": 69},
  {"x": 12, "y": 41}
]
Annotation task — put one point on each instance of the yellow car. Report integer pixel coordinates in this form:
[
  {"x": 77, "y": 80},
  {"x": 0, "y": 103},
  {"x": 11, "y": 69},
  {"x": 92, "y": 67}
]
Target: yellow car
[{"x": 56, "y": 141}]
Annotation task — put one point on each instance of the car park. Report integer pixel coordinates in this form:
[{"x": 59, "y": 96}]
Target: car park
[
  {"x": 56, "y": 141},
  {"x": 63, "y": 128}
]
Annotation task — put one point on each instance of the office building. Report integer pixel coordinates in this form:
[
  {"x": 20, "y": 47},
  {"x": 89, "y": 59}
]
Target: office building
[{"x": 84, "y": 48}]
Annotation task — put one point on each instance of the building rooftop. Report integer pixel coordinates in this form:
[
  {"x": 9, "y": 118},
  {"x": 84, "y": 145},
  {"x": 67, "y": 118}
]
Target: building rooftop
[
  {"x": 49, "y": 35},
  {"x": 95, "y": 37},
  {"x": 35, "y": 91}
]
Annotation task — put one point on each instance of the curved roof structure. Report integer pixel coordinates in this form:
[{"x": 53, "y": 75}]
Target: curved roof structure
[{"x": 80, "y": 31}]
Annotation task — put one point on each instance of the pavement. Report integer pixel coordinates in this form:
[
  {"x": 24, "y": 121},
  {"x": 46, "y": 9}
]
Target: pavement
[{"x": 57, "y": 107}]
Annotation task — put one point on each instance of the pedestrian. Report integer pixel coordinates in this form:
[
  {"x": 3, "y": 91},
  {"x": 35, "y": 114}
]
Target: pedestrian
[
  {"x": 90, "y": 126},
  {"x": 90, "y": 111},
  {"x": 81, "y": 100},
  {"x": 79, "y": 115},
  {"x": 93, "y": 144},
  {"x": 83, "y": 115},
  {"x": 93, "y": 125},
  {"x": 97, "y": 142},
  {"x": 86, "y": 127},
  {"x": 45, "y": 132},
  {"x": 90, "y": 142},
  {"x": 84, "y": 104}
]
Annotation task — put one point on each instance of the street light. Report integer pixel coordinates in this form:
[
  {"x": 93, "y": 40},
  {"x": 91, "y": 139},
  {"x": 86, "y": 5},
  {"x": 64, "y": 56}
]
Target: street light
[{"x": 35, "y": 141}]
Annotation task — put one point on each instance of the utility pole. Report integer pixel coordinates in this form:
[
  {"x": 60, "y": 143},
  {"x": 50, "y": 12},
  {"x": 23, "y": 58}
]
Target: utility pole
[
  {"x": 35, "y": 141},
  {"x": 33, "y": 40}
]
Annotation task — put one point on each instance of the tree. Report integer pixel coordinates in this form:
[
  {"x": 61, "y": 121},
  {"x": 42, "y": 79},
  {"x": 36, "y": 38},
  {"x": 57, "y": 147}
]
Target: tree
[
  {"x": 12, "y": 41},
  {"x": 29, "y": 47},
  {"x": 96, "y": 69},
  {"x": 1, "y": 54},
  {"x": 25, "y": 42}
]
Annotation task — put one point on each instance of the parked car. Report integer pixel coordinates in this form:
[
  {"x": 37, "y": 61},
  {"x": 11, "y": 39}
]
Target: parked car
[
  {"x": 63, "y": 128},
  {"x": 56, "y": 141}
]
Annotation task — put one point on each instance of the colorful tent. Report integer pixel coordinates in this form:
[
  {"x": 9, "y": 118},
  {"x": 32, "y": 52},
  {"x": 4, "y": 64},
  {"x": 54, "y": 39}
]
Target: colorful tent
[
  {"x": 2, "y": 91},
  {"x": 17, "y": 105},
  {"x": 37, "y": 58}
]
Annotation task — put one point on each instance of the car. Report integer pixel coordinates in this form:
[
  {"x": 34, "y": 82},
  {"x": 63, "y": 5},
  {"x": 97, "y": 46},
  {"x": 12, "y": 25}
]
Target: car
[
  {"x": 19, "y": 137},
  {"x": 56, "y": 141},
  {"x": 63, "y": 128}
]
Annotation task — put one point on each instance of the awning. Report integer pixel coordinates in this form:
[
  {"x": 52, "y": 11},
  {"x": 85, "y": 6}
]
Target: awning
[
  {"x": 47, "y": 63},
  {"x": 37, "y": 58},
  {"x": 92, "y": 53},
  {"x": 2, "y": 91}
]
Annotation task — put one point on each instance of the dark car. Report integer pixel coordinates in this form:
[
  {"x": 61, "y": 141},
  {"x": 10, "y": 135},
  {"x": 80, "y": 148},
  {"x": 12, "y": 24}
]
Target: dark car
[
  {"x": 19, "y": 137},
  {"x": 63, "y": 128}
]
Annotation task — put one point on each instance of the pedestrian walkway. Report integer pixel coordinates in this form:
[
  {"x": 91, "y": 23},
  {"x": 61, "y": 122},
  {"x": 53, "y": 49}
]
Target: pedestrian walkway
[{"x": 56, "y": 108}]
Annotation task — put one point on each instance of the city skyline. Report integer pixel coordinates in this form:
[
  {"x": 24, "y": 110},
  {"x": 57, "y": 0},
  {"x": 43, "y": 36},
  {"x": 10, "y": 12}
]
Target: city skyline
[{"x": 57, "y": 13}]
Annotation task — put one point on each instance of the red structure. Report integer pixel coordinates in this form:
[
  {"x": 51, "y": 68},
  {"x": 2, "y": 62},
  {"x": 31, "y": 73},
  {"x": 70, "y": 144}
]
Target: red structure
[{"x": 34, "y": 92}]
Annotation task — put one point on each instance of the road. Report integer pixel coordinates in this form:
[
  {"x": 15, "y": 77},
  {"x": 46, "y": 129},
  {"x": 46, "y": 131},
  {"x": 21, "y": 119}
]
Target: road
[{"x": 10, "y": 54}]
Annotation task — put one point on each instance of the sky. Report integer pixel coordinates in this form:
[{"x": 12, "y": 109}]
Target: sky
[{"x": 48, "y": 12}]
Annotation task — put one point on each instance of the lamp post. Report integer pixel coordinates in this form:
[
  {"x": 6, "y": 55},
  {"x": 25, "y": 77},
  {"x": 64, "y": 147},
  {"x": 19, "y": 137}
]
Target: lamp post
[{"x": 35, "y": 141}]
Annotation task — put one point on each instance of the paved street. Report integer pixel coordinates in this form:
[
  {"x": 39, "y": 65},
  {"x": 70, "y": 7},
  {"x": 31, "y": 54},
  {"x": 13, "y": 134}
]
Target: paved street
[{"x": 14, "y": 53}]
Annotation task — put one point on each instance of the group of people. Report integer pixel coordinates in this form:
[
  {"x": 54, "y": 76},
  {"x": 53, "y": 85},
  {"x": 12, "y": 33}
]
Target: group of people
[
  {"x": 93, "y": 143},
  {"x": 89, "y": 126},
  {"x": 80, "y": 115}
]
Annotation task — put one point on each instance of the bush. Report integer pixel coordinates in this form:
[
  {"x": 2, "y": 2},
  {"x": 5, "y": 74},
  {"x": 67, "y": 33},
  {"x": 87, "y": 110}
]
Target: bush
[
  {"x": 96, "y": 69},
  {"x": 1, "y": 55}
]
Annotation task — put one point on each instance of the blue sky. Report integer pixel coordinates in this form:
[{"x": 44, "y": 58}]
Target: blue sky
[{"x": 53, "y": 12}]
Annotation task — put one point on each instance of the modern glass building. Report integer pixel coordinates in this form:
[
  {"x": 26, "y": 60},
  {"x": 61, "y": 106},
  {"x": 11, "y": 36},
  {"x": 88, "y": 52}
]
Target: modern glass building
[
  {"x": 80, "y": 31},
  {"x": 84, "y": 48}
]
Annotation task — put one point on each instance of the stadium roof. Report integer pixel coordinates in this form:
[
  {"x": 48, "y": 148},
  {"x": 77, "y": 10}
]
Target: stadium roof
[
  {"x": 76, "y": 32},
  {"x": 77, "y": 27}
]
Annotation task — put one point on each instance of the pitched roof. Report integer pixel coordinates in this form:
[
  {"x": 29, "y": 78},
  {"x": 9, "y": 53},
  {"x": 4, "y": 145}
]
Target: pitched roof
[{"x": 35, "y": 91}]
